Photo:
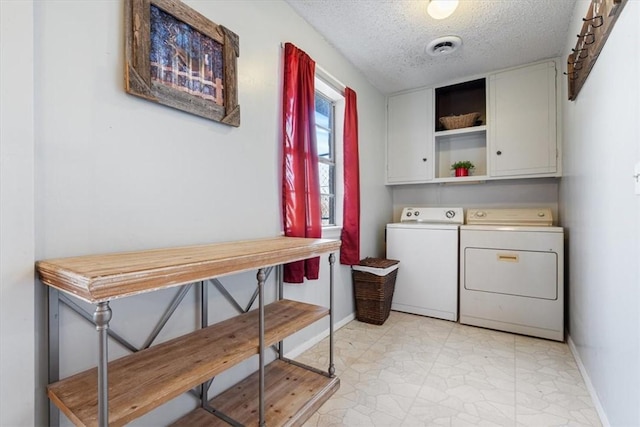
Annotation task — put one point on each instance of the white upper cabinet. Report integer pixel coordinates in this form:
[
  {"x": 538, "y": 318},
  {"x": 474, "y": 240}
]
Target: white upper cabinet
[
  {"x": 522, "y": 135},
  {"x": 514, "y": 136},
  {"x": 410, "y": 137}
]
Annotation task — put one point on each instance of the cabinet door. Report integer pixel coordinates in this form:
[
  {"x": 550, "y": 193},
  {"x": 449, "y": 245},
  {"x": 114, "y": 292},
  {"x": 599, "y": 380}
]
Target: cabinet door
[
  {"x": 410, "y": 137},
  {"x": 523, "y": 121}
]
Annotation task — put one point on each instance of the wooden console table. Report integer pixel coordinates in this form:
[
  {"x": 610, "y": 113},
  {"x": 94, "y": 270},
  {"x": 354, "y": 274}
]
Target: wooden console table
[{"x": 122, "y": 390}]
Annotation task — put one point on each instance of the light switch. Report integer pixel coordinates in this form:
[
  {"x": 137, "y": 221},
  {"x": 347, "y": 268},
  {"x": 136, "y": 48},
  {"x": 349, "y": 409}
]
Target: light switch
[{"x": 636, "y": 176}]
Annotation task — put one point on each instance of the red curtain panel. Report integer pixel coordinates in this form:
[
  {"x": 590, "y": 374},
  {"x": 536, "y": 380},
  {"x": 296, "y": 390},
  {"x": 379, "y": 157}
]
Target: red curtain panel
[
  {"x": 300, "y": 181},
  {"x": 350, "y": 250}
]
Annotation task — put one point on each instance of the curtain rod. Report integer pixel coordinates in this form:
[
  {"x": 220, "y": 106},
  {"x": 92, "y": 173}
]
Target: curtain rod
[{"x": 327, "y": 77}]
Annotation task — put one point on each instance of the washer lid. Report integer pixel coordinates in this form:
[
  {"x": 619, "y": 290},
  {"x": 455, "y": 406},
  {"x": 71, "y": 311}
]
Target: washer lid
[
  {"x": 516, "y": 217},
  {"x": 432, "y": 215}
]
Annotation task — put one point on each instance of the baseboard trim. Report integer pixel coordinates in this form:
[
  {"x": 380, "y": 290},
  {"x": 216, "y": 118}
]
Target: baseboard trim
[
  {"x": 587, "y": 382},
  {"x": 315, "y": 340}
]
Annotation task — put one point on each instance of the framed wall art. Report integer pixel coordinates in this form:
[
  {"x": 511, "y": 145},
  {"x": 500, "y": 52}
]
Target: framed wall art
[{"x": 177, "y": 57}]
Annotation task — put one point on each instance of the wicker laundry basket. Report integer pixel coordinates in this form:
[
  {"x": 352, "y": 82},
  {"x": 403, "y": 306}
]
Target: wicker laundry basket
[
  {"x": 459, "y": 122},
  {"x": 374, "y": 280}
]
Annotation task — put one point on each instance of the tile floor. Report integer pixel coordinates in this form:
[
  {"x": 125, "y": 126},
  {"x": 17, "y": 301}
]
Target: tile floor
[{"x": 420, "y": 371}]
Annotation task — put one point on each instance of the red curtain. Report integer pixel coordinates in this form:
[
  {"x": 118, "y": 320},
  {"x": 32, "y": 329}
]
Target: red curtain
[
  {"x": 350, "y": 250},
  {"x": 300, "y": 181}
]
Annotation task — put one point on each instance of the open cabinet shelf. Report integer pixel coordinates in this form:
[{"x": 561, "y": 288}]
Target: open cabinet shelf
[
  {"x": 469, "y": 143},
  {"x": 458, "y": 145},
  {"x": 461, "y": 98}
]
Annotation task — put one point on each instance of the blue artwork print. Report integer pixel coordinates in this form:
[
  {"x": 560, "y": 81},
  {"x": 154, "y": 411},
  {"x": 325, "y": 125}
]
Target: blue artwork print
[{"x": 185, "y": 59}]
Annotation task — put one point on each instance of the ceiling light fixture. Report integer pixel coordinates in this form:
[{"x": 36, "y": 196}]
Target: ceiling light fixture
[{"x": 440, "y": 9}]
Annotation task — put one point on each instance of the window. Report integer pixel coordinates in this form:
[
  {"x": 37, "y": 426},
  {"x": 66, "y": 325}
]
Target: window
[
  {"x": 329, "y": 108},
  {"x": 325, "y": 138}
]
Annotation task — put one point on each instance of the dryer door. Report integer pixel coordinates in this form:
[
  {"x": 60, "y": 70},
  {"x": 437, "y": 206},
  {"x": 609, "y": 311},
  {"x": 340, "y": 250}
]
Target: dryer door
[{"x": 531, "y": 274}]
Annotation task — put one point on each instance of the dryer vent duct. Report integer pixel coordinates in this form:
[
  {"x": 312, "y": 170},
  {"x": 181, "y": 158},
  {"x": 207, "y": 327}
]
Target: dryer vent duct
[{"x": 443, "y": 45}]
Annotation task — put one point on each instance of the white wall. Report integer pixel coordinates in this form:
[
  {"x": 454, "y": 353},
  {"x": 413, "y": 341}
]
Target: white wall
[
  {"x": 115, "y": 172},
  {"x": 17, "y": 339},
  {"x": 601, "y": 214}
]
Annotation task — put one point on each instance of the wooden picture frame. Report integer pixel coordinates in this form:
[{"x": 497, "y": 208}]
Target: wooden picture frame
[{"x": 177, "y": 57}]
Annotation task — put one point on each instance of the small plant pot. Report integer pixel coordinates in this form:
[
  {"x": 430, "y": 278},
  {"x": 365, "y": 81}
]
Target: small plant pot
[{"x": 462, "y": 172}]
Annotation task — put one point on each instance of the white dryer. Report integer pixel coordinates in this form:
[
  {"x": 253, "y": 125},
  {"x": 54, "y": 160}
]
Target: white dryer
[
  {"x": 425, "y": 241},
  {"x": 511, "y": 272}
]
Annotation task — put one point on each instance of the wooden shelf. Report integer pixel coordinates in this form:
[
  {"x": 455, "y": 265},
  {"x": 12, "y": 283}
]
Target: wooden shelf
[
  {"x": 144, "y": 380},
  {"x": 293, "y": 394},
  {"x": 469, "y": 130},
  {"x": 98, "y": 278},
  {"x": 462, "y": 179}
]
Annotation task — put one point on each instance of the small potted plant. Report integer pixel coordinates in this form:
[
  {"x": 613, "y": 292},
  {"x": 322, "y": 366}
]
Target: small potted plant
[{"x": 462, "y": 167}]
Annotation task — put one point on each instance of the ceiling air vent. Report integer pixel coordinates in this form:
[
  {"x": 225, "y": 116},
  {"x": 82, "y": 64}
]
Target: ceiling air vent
[{"x": 443, "y": 45}]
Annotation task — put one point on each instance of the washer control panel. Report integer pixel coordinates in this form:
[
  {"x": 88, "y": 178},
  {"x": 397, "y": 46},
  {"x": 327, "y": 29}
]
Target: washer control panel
[
  {"x": 515, "y": 217},
  {"x": 433, "y": 215}
]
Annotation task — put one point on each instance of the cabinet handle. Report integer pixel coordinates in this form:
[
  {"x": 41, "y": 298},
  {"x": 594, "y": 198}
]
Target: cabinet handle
[
  {"x": 424, "y": 159},
  {"x": 498, "y": 152},
  {"x": 508, "y": 257}
]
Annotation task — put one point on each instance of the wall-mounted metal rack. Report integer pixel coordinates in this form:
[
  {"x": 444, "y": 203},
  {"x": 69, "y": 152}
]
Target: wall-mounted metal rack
[{"x": 596, "y": 27}]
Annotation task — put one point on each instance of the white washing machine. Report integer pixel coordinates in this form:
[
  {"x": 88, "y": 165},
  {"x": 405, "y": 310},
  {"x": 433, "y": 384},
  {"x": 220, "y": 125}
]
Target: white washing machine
[
  {"x": 425, "y": 241},
  {"x": 511, "y": 272}
]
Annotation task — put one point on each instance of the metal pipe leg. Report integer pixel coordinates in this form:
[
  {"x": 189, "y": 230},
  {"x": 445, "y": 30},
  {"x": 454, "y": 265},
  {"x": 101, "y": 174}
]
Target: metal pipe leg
[
  {"x": 280, "y": 281},
  {"x": 54, "y": 351},
  {"x": 101, "y": 317},
  {"x": 332, "y": 368},
  {"x": 204, "y": 322},
  {"x": 261, "y": 279}
]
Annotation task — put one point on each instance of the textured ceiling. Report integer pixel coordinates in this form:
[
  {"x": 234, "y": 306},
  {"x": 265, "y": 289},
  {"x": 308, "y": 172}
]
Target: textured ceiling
[{"x": 386, "y": 39}]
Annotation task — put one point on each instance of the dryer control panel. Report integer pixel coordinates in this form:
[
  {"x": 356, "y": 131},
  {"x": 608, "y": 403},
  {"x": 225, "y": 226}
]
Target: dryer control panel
[
  {"x": 541, "y": 217},
  {"x": 433, "y": 215}
]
